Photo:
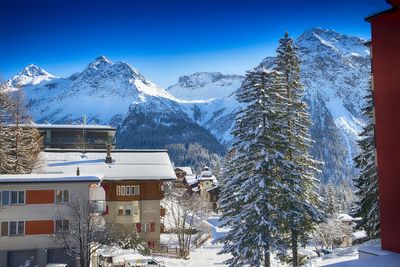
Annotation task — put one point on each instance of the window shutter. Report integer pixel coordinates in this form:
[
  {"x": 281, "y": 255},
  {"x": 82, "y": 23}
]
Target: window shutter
[
  {"x": 152, "y": 227},
  {"x": 4, "y": 228},
  {"x": 138, "y": 227},
  {"x": 106, "y": 211}
]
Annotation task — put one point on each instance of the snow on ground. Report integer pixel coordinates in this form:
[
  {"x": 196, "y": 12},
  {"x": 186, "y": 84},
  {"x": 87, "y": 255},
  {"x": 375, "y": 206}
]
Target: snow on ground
[{"x": 207, "y": 255}]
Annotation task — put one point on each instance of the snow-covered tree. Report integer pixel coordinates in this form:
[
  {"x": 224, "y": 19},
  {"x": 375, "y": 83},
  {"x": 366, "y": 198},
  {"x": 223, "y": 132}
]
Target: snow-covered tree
[
  {"x": 366, "y": 183},
  {"x": 4, "y": 104},
  {"x": 252, "y": 190},
  {"x": 21, "y": 141},
  {"x": 331, "y": 203},
  {"x": 301, "y": 203},
  {"x": 331, "y": 233}
]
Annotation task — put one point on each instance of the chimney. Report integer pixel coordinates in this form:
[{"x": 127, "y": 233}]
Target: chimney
[
  {"x": 108, "y": 156},
  {"x": 78, "y": 172}
]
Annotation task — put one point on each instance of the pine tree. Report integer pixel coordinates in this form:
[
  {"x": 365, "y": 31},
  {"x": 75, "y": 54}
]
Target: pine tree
[
  {"x": 367, "y": 182},
  {"x": 21, "y": 141},
  {"x": 251, "y": 188},
  {"x": 301, "y": 202}
]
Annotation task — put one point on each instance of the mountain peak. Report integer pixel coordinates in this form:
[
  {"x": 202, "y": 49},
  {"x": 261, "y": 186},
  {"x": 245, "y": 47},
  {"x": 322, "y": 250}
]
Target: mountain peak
[
  {"x": 30, "y": 75},
  {"x": 100, "y": 62},
  {"x": 34, "y": 71},
  {"x": 319, "y": 39}
]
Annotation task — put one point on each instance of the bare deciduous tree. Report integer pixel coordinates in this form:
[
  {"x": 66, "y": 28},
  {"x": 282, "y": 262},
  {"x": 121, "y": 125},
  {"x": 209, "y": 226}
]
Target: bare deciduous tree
[
  {"x": 188, "y": 213},
  {"x": 82, "y": 230},
  {"x": 332, "y": 233}
]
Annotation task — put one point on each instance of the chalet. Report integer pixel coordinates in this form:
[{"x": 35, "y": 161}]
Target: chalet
[
  {"x": 206, "y": 181},
  {"x": 30, "y": 204},
  {"x": 133, "y": 182}
]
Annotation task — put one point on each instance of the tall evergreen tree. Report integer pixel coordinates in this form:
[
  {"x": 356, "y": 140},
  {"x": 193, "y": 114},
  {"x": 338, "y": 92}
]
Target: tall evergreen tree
[
  {"x": 366, "y": 183},
  {"x": 301, "y": 203},
  {"x": 251, "y": 184}
]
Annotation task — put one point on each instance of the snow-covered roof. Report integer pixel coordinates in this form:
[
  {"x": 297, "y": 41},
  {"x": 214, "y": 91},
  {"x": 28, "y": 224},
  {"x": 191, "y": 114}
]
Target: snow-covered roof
[
  {"x": 49, "y": 178},
  {"x": 188, "y": 170},
  {"x": 75, "y": 126},
  {"x": 191, "y": 179},
  {"x": 119, "y": 255},
  {"x": 359, "y": 235},
  {"x": 196, "y": 189},
  {"x": 67, "y": 126},
  {"x": 347, "y": 218},
  {"x": 212, "y": 188},
  {"x": 126, "y": 164}
]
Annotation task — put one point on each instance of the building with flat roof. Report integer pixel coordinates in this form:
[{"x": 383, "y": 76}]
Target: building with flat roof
[
  {"x": 30, "y": 205},
  {"x": 74, "y": 136}
]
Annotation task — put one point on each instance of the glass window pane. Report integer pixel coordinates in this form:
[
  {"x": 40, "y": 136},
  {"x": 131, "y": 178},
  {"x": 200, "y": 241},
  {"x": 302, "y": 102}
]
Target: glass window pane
[
  {"x": 58, "y": 196},
  {"x": 128, "y": 190},
  {"x": 14, "y": 197},
  {"x": 21, "y": 197},
  {"x": 5, "y": 200},
  {"x": 58, "y": 226},
  {"x": 123, "y": 190},
  {"x": 66, "y": 196},
  {"x": 13, "y": 228},
  {"x": 128, "y": 212},
  {"x": 66, "y": 225},
  {"x": 21, "y": 226}
]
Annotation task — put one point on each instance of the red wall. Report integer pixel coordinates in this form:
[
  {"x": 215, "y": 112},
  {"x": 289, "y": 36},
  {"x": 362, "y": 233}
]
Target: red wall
[{"x": 386, "y": 74}]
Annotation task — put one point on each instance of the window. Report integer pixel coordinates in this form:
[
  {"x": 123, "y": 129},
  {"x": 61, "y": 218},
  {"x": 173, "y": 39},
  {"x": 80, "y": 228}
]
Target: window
[
  {"x": 136, "y": 189},
  {"x": 145, "y": 227},
  {"x": 62, "y": 226},
  {"x": 5, "y": 197},
  {"x": 118, "y": 190},
  {"x": 128, "y": 190},
  {"x": 17, "y": 228},
  {"x": 122, "y": 190},
  {"x": 120, "y": 211},
  {"x": 62, "y": 196},
  {"x": 17, "y": 197},
  {"x": 128, "y": 212},
  {"x": 135, "y": 210}
]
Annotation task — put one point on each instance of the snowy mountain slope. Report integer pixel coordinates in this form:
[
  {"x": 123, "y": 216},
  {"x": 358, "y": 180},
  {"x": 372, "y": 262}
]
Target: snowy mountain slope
[
  {"x": 335, "y": 71},
  {"x": 114, "y": 93},
  {"x": 205, "y": 85}
]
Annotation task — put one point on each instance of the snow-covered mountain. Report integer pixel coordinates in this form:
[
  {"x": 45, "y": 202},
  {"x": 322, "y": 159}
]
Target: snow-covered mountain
[
  {"x": 201, "y": 107},
  {"x": 145, "y": 115},
  {"x": 335, "y": 72},
  {"x": 30, "y": 75}
]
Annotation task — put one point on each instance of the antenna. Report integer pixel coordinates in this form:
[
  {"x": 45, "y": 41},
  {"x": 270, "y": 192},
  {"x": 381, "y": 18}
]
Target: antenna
[{"x": 83, "y": 133}]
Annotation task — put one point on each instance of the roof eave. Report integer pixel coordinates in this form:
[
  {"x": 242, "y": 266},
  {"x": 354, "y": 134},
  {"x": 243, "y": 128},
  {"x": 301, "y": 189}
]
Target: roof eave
[{"x": 368, "y": 18}]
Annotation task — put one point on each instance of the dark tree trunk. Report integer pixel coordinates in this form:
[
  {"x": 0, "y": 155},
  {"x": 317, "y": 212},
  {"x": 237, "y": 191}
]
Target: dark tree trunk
[
  {"x": 294, "y": 248},
  {"x": 267, "y": 257}
]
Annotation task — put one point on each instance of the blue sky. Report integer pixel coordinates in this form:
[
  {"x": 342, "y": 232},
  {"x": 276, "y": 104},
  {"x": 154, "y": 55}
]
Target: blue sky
[{"x": 164, "y": 39}]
